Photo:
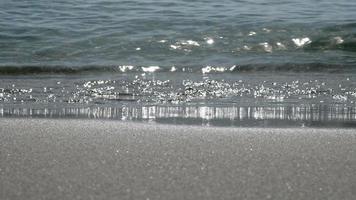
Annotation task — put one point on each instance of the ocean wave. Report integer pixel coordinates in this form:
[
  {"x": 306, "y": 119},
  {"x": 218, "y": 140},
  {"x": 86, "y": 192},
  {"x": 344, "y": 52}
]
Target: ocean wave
[{"x": 259, "y": 67}]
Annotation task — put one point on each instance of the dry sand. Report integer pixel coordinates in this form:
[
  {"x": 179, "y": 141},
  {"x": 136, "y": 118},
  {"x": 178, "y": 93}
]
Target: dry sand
[{"x": 93, "y": 159}]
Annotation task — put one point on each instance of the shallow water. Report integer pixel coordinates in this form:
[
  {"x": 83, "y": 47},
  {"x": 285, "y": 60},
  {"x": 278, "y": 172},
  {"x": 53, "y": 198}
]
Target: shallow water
[
  {"x": 243, "y": 99},
  {"x": 238, "y": 63}
]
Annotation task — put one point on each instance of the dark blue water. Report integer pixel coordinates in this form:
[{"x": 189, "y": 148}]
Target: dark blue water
[{"x": 276, "y": 54}]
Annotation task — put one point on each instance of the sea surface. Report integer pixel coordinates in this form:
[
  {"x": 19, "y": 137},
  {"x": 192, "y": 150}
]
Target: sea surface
[{"x": 265, "y": 63}]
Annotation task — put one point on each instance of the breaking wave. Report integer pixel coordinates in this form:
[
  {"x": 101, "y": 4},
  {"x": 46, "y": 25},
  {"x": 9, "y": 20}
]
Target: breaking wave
[{"x": 286, "y": 67}]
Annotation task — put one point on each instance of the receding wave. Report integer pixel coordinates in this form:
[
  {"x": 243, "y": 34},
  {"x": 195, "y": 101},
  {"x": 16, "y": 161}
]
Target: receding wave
[
  {"x": 239, "y": 116},
  {"x": 285, "y": 67}
]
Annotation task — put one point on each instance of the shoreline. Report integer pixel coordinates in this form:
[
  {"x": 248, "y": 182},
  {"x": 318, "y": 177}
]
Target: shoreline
[{"x": 104, "y": 159}]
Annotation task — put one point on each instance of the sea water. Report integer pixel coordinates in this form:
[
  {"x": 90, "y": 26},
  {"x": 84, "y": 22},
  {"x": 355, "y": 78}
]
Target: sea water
[{"x": 204, "y": 62}]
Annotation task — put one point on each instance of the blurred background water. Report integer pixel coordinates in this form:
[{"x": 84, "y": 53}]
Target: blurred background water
[{"x": 230, "y": 54}]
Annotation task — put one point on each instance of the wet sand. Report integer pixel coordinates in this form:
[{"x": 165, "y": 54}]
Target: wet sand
[{"x": 93, "y": 159}]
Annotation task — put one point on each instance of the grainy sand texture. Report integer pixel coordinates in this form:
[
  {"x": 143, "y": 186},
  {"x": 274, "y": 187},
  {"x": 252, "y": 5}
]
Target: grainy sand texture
[{"x": 93, "y": 159}]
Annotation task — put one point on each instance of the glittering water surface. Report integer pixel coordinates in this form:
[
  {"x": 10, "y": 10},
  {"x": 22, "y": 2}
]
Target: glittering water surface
[
  {"x": 257, "y": 99},
  {"x": 180, "y": 33},
  {"x": 226, "y": 62}
]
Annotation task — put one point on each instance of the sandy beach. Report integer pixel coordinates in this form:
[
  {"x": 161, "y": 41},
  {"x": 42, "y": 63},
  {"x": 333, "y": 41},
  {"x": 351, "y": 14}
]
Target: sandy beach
[{"x": 94, "y": 159}]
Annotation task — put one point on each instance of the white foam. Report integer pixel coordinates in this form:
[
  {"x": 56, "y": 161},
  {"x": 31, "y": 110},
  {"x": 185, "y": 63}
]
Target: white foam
[
  {"x": 266, "y": 30},
  {"x": 173, "y": 69},
  {"x": 247, "y": 47},
  {"x": 300, "y": 42},
  {"x": 206, "y": 69},
  {"x": 338, "y": 40},
  {"x": 280, "y": 45},
  {"x": 125, "y": 68},
  {"x": 209, "y": 41},
  {"x": 209, "y": 69},
  {"x": 190, "y": 42},
  {"x": 175, "y": 46},
  {"x": 267, "y": 47},
  {"x": 251, "y": 33},
  {"x": 150, "y": 69},
  {"x": 232, "y": 68}
]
